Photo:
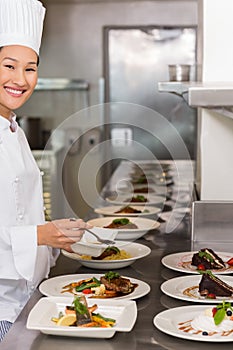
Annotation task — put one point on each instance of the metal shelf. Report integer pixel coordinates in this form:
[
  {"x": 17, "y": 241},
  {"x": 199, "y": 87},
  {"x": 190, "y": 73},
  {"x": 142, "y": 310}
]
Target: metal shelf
[
  {"x": 211, "y": 94},
  {"x": 54, "y": 84}
]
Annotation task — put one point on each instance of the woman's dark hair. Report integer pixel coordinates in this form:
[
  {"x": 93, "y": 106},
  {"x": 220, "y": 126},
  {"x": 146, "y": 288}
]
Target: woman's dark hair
[{"x": 38, "y": 58}]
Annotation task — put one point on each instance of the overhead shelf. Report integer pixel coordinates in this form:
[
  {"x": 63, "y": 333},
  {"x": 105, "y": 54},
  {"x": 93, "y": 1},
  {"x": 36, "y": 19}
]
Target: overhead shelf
[
  {"x": 61, "y": 84},
  {"x": 212, "y": 94}
]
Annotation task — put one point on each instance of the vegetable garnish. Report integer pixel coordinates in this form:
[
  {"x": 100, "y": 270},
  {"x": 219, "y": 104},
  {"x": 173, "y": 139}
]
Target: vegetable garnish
[
  {"x": 206, "y": 255},
  {"x": 122, "y": 221},
  {"x": 221, "y": 312},
  {"x": 110, "y": 275},
  {"x": 88, "y": 284}
]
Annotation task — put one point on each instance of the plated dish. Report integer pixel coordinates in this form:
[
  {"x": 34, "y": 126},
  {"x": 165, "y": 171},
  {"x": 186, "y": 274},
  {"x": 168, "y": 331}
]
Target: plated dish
[
  {"x": 137, "y": 251},
  {"x": 186, "y": 288},
  {"x": 54, "y": 287},
  {"x": 40, "y": 317},
  {"x": 143, "y": 226},
  {"x": 126, "y": 199},
  {"x": 113, "y": 211},
  {"x": 182, "y": 262},
  {"x": 177, "y": 322},
  {"x": 142, "y": 188},
  {"x": 89, "y": 245}
]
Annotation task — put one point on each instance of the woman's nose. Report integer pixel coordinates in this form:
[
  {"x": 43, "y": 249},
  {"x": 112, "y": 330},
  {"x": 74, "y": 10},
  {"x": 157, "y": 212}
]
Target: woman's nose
[{"x": 19, "y": 77}]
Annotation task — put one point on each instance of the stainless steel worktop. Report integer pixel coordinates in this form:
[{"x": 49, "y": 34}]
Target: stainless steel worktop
[{"x": 144, "y": 335}]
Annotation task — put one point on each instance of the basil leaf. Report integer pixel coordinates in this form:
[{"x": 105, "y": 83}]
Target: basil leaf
[{"x": 219, "y": 316}]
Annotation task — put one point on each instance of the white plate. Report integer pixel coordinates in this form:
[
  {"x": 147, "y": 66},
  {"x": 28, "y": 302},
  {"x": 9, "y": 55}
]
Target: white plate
[
  {"x": 134, "y": 189},
  {"x": 168, "y": 322},
  {"x": 89, "y": 244},
  {"x": 175, "y": 288},
  {"x": 182, "y": 262},
  {"x": 124, "y": 312},
  {"x": 52, "y": 287},
  {"x": 144, "y": 225},
  {"x": 138, "y": 251},
  {"x": 111, "y": 211},
  {"x": 125, "y": 200}
]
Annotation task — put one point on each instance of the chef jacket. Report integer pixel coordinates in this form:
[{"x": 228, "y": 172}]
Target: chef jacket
[{"x": 23, "y": 264}]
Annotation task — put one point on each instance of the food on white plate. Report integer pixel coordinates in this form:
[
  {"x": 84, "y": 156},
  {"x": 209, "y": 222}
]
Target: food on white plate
[
  {"x": 145, "y": 189},
  {"x": 214, "y": 320},
  {"x": 129, "y": 210},
  {"x": 80, "y": 315},
  {"x": 210, "y": 287},
  {"x": 137, "y": 199},
  {"x": 110, "y": 285},
  {"x": 121, "y": 223},
  {"x": 110, "y": 253},
  {"x": 207, "y": 259}
]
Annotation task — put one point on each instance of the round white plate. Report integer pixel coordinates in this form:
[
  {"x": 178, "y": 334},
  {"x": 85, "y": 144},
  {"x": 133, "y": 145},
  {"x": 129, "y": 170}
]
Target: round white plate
[
  {"x": 111, "y": 211},
  {"x": 52, "y": 287},
  {"x": 144, "y": 225},
  {"x": 138, "y": 251},
  {"x": 168, "y": 322},
  {"x": 137, "y": 189},
  {"x": 125, "y": 200},
  {"x": 175, "y": 288},
  {"x": 182, "y": 262}
]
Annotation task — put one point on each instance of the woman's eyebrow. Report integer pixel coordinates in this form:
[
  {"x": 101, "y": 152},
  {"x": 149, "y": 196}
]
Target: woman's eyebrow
[{"x": 15, "y": 60}]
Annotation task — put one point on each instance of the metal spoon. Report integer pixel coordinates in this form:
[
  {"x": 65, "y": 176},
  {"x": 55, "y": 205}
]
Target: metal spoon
[{"x": 105, "y": 241}]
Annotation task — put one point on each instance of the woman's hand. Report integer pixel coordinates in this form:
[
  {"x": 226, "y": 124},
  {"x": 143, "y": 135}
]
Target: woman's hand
[{"x": 61, "y": 233}]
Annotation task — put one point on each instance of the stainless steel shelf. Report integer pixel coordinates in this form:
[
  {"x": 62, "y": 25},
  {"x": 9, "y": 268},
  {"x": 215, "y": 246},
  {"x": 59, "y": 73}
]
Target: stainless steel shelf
[
  {"x": 61, "y": 84},
  {"x": 211, "y": 94}
]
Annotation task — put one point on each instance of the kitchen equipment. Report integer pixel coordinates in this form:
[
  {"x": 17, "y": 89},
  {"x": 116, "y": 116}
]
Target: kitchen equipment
[{"x": 179, "y": 72}]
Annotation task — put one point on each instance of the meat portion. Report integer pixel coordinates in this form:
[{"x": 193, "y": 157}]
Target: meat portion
[
  {"x": 122, "y": 223},
  {"x": 128, "y": 210},
  {"x": 208, "y": 258},
  {"x": 118, "y": 284},
  {"x": 211, "y": 284}
]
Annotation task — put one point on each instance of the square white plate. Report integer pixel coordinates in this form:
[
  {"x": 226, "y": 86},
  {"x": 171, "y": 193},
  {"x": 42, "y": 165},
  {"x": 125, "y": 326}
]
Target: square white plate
[{"x": 124, "y": 312}]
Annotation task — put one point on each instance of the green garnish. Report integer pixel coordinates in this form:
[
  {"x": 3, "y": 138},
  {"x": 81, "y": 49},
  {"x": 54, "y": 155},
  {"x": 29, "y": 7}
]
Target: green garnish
[
  {"x": 141, "y": 198},
  {"x": 104, "y": 318},
  {"x": 221, "y": 312},
  {"x": 117, "y": 250},
  {"x": 110, "y": 275},
  {"x": 206, "y": 255},
  {"x": 80, "y": 308},
  {"x": 122, "y": 221},
  {"x": 93, "y": 282}
]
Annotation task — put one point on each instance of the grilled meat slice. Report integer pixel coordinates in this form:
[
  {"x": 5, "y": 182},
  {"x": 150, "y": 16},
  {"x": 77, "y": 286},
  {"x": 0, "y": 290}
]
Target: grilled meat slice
[
  {"x": 208, "y": 258},
  {"x": 118, "y": 284},
  {"x": 128, "y": 210}
]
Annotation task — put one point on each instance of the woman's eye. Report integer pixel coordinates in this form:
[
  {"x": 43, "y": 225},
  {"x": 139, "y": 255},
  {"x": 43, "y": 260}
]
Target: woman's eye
[
  {"x": 9, "y": 66},
  {"x": 30, "y": 70}
]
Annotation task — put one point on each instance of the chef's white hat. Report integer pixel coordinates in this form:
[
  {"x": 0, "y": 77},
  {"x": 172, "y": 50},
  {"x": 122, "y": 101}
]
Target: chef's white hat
[{"x": 21, "y": 23}]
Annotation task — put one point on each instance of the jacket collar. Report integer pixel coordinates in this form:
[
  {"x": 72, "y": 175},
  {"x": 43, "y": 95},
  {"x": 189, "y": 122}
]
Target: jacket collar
[{"x": 6, "y": 123}]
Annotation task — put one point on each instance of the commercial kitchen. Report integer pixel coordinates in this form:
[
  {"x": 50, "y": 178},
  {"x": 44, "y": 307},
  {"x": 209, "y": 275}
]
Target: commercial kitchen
[{"x": 107, "y": 112}]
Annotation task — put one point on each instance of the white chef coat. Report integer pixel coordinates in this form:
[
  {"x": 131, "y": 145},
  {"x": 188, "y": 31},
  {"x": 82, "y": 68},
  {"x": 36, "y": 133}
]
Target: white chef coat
[{"x": 23, "y": 264}]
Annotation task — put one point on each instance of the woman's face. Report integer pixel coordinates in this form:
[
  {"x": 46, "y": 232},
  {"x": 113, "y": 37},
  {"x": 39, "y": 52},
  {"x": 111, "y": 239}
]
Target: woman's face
[{"x": 18, "y": 77}]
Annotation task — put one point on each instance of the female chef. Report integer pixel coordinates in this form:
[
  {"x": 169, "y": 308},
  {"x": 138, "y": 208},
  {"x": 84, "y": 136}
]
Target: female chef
[{"x": 27, "y": 244}]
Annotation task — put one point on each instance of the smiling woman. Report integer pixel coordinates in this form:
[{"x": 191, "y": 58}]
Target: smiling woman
[{"x": 28, "y": 245}]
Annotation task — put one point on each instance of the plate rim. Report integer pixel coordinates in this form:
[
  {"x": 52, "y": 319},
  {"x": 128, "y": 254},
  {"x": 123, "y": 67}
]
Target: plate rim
[
  {"x": 181, "y": 254},
  {"x": 174, "y": 332},
  {"x": 97, "y": 275},
  {"x": 175, "y": 280},
  {"x": 69, "y": 331},
  {"x": 101, "y": 211}
]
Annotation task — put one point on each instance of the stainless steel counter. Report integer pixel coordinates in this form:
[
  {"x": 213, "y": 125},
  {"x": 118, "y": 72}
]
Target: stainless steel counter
[{"x": 144, "y": 335}]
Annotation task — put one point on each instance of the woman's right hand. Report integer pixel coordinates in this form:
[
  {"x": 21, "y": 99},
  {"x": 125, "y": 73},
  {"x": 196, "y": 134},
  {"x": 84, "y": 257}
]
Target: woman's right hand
[{"x": 61, "y": 233}]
